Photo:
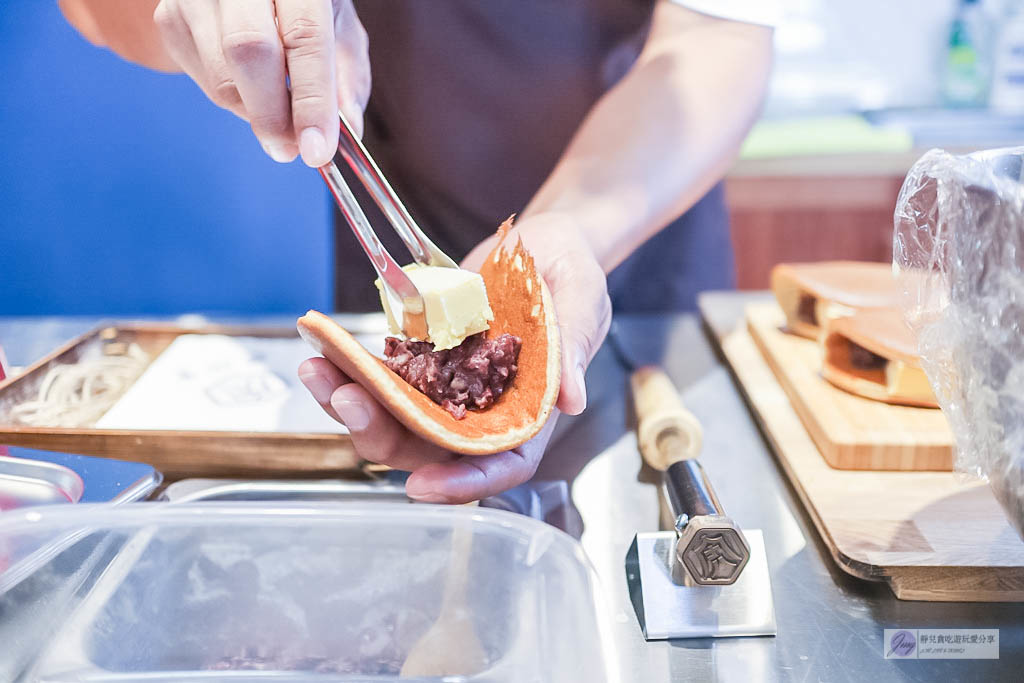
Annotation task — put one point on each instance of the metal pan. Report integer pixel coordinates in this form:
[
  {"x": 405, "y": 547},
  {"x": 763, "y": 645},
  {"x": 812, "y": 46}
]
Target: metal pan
[
  {"x": 180, "y": 453},
  {"x": 112, "y": 481},
  {"x": 24, "y": 483},
  {"x": 547, "y": 501},
  {"x": 106, "y": 480},
  {"x": 192, "y": 490}
]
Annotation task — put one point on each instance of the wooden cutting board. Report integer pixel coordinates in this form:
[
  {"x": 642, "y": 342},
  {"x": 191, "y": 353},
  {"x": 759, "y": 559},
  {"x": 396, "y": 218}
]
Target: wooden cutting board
[
  {"x": 851, "y": 432},
  {"x": 926, "y": 534}
]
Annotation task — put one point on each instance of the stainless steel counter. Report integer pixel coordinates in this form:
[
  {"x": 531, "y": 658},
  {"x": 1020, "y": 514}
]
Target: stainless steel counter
[{"x": 830, "y": 624}]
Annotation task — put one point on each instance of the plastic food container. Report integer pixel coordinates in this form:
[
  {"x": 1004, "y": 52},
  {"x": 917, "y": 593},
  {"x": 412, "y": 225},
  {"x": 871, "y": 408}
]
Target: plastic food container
[{"x": 293, "y": 592}]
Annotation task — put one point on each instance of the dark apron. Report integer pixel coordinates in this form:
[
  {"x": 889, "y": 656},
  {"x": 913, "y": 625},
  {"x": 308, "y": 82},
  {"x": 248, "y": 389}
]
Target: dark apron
[{"x": 473, "y": 103}]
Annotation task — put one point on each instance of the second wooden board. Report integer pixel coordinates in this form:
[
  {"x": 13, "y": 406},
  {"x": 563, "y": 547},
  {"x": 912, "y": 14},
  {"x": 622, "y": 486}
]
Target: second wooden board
[
  {"x": 927, "y": 535},
  {"x": 851, "y": 432}
]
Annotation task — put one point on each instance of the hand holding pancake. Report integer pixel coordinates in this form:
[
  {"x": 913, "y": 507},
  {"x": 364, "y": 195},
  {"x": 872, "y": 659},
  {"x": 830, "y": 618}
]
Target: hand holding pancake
[
  {"x": 438, "y": 475},
  {"x": 579, "y": 289},
  {"x": 579, "y": 295}
]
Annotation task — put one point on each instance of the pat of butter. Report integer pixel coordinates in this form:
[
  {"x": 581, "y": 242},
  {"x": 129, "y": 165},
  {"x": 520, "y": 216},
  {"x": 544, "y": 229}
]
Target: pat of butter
[
  {"x": 455, "y": 301},
  {"x": 907, "y": 381}
]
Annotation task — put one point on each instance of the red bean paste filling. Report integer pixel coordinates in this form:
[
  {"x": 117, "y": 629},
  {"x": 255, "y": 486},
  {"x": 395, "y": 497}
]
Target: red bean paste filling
[
  {"x": 862, "y": 359},
  {"x": 471, "y": 376},
  {"x": 806, "y": 310}
]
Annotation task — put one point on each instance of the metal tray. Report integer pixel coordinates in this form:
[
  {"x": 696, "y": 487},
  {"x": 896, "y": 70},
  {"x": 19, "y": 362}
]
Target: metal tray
[
  {"x": 82, "y": 479},
  {"x": 24, "y": 483},
  {"x": 52, "y": 573},
  {"x": 209, "y": 490},
  {"x": 106, "y": 480},
  {"x": 547, "y": 501},
  {"x": 177, "y": 454}
]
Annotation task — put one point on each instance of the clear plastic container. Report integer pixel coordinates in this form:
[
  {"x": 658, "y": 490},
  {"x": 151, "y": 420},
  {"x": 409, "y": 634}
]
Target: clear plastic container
[{"x": 291, "y": 592}]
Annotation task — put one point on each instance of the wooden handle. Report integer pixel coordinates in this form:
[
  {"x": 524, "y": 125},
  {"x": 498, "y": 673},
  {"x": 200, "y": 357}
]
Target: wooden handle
[{"x": 666, "y": 431}]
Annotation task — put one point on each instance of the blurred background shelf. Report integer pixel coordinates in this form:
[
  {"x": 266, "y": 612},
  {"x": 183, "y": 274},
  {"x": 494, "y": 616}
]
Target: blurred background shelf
[{"x": 801, "y": 191}]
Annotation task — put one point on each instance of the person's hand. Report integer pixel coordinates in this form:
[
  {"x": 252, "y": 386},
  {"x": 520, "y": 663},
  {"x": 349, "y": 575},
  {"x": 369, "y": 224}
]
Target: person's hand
[
  {"x": 245, "y": 53},
  {"x": 579, "y": 290},
  {"x": 580, "y": 295}
]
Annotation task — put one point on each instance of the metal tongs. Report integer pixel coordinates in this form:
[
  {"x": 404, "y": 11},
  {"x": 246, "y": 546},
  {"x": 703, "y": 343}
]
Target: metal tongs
[{"x": 403, "y": 298}]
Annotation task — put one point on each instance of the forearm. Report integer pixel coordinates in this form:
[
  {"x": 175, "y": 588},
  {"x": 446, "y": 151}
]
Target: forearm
[
  {"x": 125, "y": 27},
  {"x": 664, "y": 135}
]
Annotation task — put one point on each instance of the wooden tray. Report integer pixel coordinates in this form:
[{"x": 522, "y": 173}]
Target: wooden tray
[
  {"x": 927, "y": 535},
  {"x": 850, "y": 431},
  {"x": 177, "y": 454}
]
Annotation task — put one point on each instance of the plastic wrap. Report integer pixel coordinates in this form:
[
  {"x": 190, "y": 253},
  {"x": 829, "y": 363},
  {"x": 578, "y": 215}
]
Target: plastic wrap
[{"x": 958, "y": 252}]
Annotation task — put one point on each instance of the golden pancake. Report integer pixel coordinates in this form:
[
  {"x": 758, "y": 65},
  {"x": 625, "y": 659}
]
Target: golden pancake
[{"x": 522, "y": 306}]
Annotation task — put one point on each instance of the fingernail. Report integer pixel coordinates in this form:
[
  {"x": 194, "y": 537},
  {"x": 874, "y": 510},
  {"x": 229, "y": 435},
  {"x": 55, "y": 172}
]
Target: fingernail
[
  {"x": 352, "y": 413},
  {"x": 426, "y": 497},
  {"x": 581, "y": 382},
  {"x": 354, "y": 116},
  {"x": 277, "y": 151},
  {"x": 318, "y": 386},
  {"x": 415, "y": 490},
  {"x": 313, "y": 146}
]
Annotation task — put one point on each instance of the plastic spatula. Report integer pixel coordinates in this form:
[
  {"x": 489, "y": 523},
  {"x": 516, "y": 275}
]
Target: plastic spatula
[{"x": 451, "y": 646}]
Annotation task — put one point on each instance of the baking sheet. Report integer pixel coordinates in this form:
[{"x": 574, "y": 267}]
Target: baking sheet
[
  {"x": 191, "y": 451},
  {"x": 214, "y": 382}
]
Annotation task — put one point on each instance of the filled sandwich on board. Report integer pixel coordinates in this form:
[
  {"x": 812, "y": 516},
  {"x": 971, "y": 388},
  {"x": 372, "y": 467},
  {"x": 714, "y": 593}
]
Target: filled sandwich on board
[
  {"x": 872, "y": 353},
  {"x": 486, "y": 378},
  {"x": 811, "y": 293}
]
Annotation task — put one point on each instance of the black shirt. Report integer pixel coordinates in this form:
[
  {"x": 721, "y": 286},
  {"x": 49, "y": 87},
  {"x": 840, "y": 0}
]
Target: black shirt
[{"x": 474, "y": 101}]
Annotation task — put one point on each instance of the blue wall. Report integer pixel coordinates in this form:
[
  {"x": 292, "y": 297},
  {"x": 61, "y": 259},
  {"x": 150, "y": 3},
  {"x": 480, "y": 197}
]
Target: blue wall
[{"x": 124, "y": 191}]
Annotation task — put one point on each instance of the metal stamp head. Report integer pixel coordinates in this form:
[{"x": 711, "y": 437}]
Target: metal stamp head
[{"x": 713, "y": 551}]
